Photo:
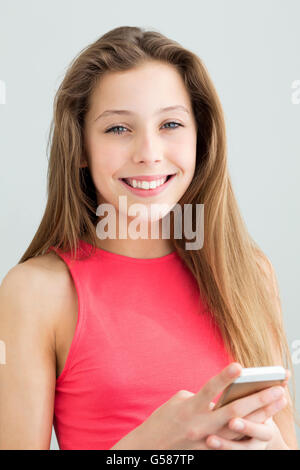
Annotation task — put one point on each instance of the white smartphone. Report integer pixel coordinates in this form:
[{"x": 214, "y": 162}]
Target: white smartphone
[{"x": 251, "y": 380}]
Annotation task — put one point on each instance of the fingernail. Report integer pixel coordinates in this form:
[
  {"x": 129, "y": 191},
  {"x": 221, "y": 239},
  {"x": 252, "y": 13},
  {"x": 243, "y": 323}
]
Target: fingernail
[
  {"x": 232, "y": 369},
  {"x": 277, "y": 392},
  {"x": 281, "y": 403},
  {"x": 238, "y": 425},
  {"x": 215, "y": 443}
]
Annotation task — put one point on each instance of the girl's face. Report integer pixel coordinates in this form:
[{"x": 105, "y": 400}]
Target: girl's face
[{"x": 146, "y": 140}]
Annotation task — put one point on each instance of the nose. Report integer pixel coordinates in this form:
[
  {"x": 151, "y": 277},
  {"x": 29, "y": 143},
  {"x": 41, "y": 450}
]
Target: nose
[{"x": 147, "y": 152}]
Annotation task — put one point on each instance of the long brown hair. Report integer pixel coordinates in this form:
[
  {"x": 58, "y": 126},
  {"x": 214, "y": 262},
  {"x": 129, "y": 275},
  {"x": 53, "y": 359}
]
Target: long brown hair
[{"x": 233, "y": 274}]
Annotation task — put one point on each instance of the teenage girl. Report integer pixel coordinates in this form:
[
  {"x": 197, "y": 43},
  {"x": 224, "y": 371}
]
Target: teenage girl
[{"x": 124, "y": 342}]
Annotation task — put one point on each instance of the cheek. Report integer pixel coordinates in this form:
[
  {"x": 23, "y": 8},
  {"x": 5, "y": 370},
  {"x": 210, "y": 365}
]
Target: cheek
[
  {"x": 104, "y": 165},
  {"x": 105, "y": 157},
  {"x": 186, "y": 161},
  {"x": 185, "y": 153}
]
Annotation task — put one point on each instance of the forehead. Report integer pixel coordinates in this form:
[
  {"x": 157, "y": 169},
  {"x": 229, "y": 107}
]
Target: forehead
[{"x": 147, "y": 87}]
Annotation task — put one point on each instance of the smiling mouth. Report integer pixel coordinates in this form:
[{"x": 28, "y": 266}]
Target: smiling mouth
[{"x": 126, "y": 182}]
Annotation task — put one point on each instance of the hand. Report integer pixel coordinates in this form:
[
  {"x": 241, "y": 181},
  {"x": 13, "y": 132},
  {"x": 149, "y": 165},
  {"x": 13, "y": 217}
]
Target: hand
[
  {"x": 264, "y": 415},
  {"x": 261, "y": 435},
  {"x": 185, "y": 420}
]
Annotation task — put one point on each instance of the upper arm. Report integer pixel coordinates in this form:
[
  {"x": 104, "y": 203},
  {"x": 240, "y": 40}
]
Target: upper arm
[
  {"x": 28, "y": 376},
  {"x": 283, "y": 419}
]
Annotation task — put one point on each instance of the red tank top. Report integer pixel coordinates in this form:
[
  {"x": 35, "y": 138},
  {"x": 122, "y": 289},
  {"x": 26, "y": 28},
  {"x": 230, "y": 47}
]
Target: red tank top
[{"x": 142, "y": 334}]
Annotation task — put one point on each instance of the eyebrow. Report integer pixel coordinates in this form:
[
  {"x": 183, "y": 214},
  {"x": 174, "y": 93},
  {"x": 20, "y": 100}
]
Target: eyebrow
[{"x": 130, "y": 113}]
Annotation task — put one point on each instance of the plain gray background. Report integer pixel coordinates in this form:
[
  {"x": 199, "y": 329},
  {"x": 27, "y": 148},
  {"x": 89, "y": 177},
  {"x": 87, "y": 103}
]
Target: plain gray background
[{"x": 251, "y": 50}]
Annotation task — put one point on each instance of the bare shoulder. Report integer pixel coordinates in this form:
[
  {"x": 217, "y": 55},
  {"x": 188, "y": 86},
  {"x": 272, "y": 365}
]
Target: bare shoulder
[
  {"x": 44, "y": 285},
  {"x": 39, "y": 271}
]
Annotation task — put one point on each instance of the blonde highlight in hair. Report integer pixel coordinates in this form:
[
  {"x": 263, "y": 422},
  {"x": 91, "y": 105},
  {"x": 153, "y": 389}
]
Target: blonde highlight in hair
[{"x": 235, "y": 278}]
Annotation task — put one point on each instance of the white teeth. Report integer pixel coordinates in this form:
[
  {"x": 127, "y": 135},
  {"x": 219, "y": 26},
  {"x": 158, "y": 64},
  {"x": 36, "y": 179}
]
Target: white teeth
[{"x": 146, "y": 184}]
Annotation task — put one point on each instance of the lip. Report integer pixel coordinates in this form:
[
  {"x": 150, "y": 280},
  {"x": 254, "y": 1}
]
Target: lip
[
  {"x": 148, "y": 192},
  {"x": 147, "y": 177}
]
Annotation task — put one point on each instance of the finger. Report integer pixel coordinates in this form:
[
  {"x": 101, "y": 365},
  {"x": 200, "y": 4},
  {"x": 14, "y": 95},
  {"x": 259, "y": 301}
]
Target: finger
[
  {"x": 246, "y": 405},
  {"x": 287, "y": 377},
  {"x": 261, "y": 415},
  {"x": 225, "y": 444},
  {"x": 248, "y": 428},
  {"x": 215, "y": 386},
  {"x": 227, "y": 433},
  {"x": 284, "y": 383}
]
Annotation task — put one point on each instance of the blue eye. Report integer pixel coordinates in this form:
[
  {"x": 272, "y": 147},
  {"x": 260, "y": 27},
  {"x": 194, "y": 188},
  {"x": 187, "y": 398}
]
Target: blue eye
[
  {"x": 112, "y": 129},
  {"x": 172, "y": 122}
]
